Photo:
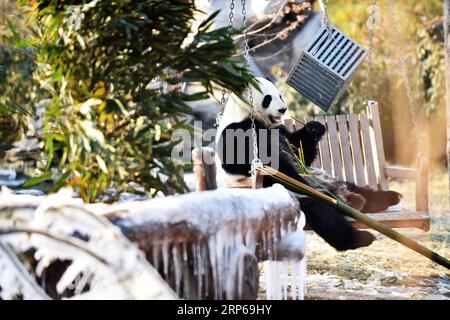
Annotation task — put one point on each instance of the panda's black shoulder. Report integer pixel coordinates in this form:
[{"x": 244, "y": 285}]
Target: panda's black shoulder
[
  {"x": 283, "y": 130},
  {"x": 244, "y": 124}
]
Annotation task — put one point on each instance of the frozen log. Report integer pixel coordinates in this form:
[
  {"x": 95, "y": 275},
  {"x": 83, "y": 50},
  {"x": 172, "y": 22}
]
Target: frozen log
[
  {"x": 208, "y": 230},
  {"x": 197, "y": 215},
  {"x": 205, "y": 245}
]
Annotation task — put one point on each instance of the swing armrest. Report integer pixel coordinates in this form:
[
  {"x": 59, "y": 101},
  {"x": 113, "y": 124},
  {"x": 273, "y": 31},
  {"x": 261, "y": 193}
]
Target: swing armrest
[
  {"x": 400, "y": 172},
  {"x": 419, "y": 175}
]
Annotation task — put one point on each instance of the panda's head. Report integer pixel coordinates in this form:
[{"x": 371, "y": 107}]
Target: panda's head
[{"x": 268, "y": 103}]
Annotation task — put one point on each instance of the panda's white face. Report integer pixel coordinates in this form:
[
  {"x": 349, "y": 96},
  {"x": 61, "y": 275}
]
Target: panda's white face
[{"x": 269, "y": 104}]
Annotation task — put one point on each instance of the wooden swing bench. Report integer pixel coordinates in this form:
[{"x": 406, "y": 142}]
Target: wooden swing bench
[{"x": 352, "y": 150}]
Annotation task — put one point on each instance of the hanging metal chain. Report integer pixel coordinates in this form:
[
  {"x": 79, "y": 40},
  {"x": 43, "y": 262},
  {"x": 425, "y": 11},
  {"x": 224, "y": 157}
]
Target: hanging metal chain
[
  {"x": 326, "y": 23},
  {"x": 222, "y": 100},
  {"x": 325, "y": 20},
  {"x": 256, "y": 163},
  {"x": 404, "y": 71},
  {"x": 369, "y": 55}
]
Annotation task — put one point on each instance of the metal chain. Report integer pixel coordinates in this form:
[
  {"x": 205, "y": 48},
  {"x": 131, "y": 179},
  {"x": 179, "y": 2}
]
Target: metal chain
[
  {"x": 404, "y": 70},
  {"x": 222, "y": 100},
  {"x": 325, "y": 19},
  {"x": 326, "y": 23},
  {"x": 256, "y": 163},
  {"x": 369, "y": 55}
]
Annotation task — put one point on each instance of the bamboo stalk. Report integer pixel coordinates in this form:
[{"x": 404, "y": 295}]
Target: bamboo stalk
[
  {"x": 299, "y": 187},
  {"x": 297, "y": 119}
]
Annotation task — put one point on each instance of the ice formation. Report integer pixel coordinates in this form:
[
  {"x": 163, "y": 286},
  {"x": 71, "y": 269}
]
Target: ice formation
[
  {"x": 220, "y": 228},
  {"x": 205, "y": 245}
]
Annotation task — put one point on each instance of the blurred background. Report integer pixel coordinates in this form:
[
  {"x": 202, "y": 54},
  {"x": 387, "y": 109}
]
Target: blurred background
[{"x": 282, "y": 28}]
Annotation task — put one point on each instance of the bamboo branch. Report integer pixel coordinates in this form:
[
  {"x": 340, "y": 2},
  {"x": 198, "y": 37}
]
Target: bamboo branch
[{"x": 299, "y": 187}]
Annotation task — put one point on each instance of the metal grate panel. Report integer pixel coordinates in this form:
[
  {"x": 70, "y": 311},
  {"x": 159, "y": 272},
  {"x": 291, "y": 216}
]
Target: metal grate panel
[{"x": 324, "y": 70}]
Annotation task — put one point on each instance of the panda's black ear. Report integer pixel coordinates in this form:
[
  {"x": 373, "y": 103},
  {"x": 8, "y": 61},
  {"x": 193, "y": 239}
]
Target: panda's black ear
[{"x": 266, "y": 101}]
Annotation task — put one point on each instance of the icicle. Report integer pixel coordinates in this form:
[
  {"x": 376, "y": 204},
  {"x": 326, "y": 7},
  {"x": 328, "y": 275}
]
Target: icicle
[
  {"x": 185, "y": 253},
  {"x": 273, "y": 281},
  {"x": 206, "y": 267},
  {"x": 165, "y": 254},
  {"x": 176, "y": 268},
  {"x": 200, "y": 268},
  {"x": 155, "y": 253},
  {"x": 187, "y": 289},
  {"x": 213, "y": 261},
  {"x": 284, "y": 271},
  {"x": 298, "y": 279}
]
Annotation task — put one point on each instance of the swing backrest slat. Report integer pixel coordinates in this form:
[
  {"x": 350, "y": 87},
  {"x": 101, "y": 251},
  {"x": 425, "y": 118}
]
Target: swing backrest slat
[
  {"x": 368, "y": 153},
  {"x": 352, "y": 148},
  {"x": 335, "y": 147},
  {"x": 358, "y": 161},
  {"x": 324, "y": 147},
  {"x": 374, "y": 114},
  {"x": 345, "y": 147}
]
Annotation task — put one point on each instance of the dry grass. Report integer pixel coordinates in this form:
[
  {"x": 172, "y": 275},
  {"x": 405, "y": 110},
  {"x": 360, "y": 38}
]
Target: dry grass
[{"x": 386, "y": 269}]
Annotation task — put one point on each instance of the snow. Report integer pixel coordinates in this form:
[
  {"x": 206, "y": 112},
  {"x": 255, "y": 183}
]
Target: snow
[
  {"x": 122, "y": 273},
  {"x": 233, "y": 224}
]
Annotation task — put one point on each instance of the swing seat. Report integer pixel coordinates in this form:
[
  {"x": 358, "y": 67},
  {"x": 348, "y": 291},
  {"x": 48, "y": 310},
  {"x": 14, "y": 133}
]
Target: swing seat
[{"x": 352, "y": 150}]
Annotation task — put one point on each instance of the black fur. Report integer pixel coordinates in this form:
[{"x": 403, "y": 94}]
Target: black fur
[
  {"x": 325, "y": 220},
  {"x": 266, "y": 101},
  {"x": 308, "y": 136},
  {"x": 376, "y": 201}
]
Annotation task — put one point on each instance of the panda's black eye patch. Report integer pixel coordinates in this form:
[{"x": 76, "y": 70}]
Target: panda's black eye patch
[
  {"x": 281, "y": 98},
  {"x": 266, "y": 101}
]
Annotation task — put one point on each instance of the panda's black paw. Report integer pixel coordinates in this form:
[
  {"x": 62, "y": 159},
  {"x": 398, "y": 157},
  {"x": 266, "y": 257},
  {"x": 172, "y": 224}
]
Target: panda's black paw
[
  {"x": 316, "y": 128},
  {"x": 353, "y": 240},
  {"x": 363, "y": 239},
  {"x": 393, "y": 197}
]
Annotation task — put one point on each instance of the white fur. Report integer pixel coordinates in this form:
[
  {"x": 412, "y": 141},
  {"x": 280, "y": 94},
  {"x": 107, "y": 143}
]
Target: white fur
[{"x": 236, "y": 111}]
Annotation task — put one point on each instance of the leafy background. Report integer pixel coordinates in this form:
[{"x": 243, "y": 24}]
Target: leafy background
[
  {"x": 111, "y": 105},
  {"x": 111, "y": 73}
]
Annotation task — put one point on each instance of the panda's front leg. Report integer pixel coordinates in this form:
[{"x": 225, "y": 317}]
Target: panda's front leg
[{"x": 308, "y": 137}]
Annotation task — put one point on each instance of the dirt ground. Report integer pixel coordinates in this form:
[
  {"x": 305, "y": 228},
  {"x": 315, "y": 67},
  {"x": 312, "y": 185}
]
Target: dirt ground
[{"x": 386, "y": 269}]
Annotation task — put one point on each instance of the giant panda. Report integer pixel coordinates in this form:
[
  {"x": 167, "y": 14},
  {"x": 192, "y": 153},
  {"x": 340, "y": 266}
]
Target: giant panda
[{"x": 269, "y": 107}]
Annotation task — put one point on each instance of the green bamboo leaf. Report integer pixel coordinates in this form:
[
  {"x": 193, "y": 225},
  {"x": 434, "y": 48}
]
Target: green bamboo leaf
[
  {"x": 37, "y": 180},
  {"x": 60, "y": 182},
  {"x": 209, "y": 19}
]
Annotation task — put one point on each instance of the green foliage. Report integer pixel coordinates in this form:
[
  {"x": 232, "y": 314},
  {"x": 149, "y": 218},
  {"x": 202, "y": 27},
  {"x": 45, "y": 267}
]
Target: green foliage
[
  {"x": 16, "y": 86},
  {"x": 431, "y": 55},
  {"x": 115, "y": 69}
]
